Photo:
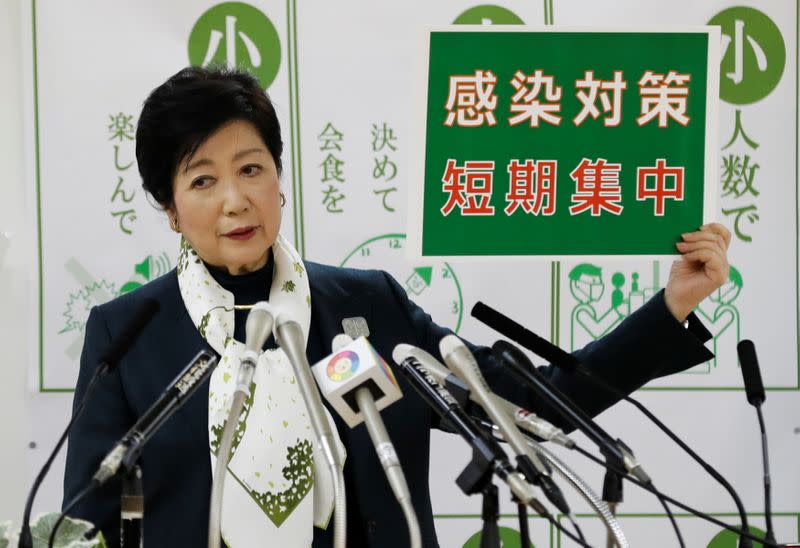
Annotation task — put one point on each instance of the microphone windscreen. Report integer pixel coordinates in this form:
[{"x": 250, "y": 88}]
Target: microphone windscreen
[
  {"x": 753, "y": 386},
  {"x": 258, "y": 326},
  {"x": 123, "y": 342},
  {"x": 530, "y": 340},
  {"x": 340, "y": 341},
  {"x": 401, "y": 352}
]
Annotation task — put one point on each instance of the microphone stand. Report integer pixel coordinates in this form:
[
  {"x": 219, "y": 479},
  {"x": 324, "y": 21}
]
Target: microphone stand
[
  {"x": 490, "y": 512},
  {"x": 612, "y": 496},
  {"x": 477, "y": 478},
  {"x": 524, "y": 531},
  {"x": 132, "y": 509}
]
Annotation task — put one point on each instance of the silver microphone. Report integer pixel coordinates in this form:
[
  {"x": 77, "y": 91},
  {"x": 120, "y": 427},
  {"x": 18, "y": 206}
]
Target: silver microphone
[
  {"x": 289, "y": 336},
  {"x": 369, "y": 406},
  {"x": 461, "y": 362},
  {"x": 527, "y": 420},
  {"x": 257, "y": 330}
]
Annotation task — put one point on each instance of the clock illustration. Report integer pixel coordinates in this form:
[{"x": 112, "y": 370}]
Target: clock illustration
[{"x": 432, "y": 284}]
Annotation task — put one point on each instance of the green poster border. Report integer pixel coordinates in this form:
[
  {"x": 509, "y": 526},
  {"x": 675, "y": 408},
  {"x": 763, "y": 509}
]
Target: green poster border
[
  {"x": 294, "y": 123},
  {"x": 555, "y": 534},
  {"x": 39, "y": 207},
  {"x": 297, "y": 172},
  {"x": 555, "y": 266}
]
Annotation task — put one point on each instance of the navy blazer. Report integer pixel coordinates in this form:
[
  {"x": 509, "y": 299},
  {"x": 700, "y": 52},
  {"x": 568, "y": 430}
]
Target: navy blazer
[{"x": 176, "y": 465}]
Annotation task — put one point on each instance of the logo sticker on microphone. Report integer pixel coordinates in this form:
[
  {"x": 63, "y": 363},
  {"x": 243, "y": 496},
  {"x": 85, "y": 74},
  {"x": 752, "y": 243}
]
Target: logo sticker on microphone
[{"x": 342, "y": 366}]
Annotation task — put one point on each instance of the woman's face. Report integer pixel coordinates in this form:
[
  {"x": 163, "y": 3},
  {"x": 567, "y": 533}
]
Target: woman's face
[{"x": 227, "y": 199}]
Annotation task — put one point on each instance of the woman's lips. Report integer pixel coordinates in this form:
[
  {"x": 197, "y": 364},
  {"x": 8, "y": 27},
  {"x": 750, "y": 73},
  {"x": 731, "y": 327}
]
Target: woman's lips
[{"x": 242, "y": 233}]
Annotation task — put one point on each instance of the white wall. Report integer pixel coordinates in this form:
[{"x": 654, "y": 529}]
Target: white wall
[{"x": 16, "y": 272}]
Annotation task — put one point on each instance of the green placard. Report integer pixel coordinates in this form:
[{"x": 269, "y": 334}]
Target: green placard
[{"x": 567, "y": 143}]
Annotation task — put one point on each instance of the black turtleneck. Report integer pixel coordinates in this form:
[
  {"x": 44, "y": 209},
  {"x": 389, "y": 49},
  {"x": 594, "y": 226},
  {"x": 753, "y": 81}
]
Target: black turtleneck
[{"x": 248, "y": 288}]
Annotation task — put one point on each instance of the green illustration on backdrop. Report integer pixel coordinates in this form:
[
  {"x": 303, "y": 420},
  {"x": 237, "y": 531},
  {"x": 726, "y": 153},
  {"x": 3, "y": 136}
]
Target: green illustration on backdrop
[
  {"x": 753, "y": 55},
  {"x": 92, "y": 291},
  {"x": 235, "y": 34},
  {"x": 488, "y": 14},
  {"x": 433, "y": 285},
  {"x": 587, "y": 287},
  {"x": 149, "y": 269},
  {"x": 592, "y": 317},
  {"x": 729, "y": 539},
  {"x": 509, "y": 538}
]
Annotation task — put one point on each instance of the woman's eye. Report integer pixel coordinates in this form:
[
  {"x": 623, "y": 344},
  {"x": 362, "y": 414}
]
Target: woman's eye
[
  {"x": 251, "y": 169},
  {"x": 202, "y": 182}
]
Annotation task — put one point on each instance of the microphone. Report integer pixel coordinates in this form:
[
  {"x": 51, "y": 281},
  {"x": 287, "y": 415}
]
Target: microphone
[
  {"x": 751, "y": 373},
  {"x": 484, "y": 447},
  {"x": 355, "y": 365},
  {"x": 127, "y": 450},
  {"x": 754, "y": 388},
  {"x": 290, "y": 337},
  {"x": 109, "y": 359},
  {"x": 562, "y": 359},
  {"x": 527, "y": 420},
  {"x": 358, "y": 384},
  {"x": 257, "y": 328},
  {"x": 530, "y": 340},
  {"x": 521, "y": 368},
  {"x": 461, "y": 361}
]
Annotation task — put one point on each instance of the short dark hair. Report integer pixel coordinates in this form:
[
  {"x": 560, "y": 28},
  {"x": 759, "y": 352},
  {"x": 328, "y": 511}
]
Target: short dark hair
[{"x": 180, "y": 114}]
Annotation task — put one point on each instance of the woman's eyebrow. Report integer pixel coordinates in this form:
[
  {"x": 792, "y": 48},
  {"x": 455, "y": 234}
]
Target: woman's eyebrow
[{"x": 206, "y": 161}]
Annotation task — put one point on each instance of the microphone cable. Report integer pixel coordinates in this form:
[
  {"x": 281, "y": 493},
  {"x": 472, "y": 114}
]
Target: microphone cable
[
  {"x": 767, "y": 483},
  {"x": 108, "y": 361},
  {"x": 75, "y": 500},
  {"x": 741, "y": 532},
  {"x": 25, "y": 532},
  {"x": 576, "y": 527},
  {"x": 579, "y": 540}
]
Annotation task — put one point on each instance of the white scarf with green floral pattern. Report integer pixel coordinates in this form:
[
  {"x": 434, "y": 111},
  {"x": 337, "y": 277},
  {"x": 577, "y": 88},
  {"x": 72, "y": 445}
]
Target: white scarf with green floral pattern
[{"x": 274, "y": 463}]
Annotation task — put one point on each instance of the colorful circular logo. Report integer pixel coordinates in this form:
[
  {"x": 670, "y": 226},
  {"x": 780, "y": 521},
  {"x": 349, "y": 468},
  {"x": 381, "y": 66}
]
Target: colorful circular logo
[
  {"x": 342, "y": 366},
  {"x": 235, "y": 34}
]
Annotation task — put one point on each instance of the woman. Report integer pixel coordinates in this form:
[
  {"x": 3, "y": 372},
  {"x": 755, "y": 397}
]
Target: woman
[{"x": 209, "y": 149}]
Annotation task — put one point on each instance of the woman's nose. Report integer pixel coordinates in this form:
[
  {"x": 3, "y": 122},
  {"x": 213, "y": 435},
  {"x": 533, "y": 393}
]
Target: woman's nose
[{"x": 235, "y": 199}]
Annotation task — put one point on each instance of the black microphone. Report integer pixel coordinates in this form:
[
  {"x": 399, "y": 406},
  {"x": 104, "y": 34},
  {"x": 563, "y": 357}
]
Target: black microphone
[
  {"x": 754, "y": 388},
  {"x": 484, "y": 447},
  {"x": 126, "y": 451},
  {"x": 109, "y": 359},
  {"x": 530, "y": 340},
  {"x": 751, "y": 374},
  {"x": 523, "y": 370}
]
